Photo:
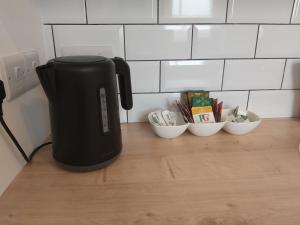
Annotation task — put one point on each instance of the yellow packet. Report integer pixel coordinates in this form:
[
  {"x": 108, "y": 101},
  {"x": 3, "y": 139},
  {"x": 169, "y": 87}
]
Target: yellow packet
[{"x": 203, "y": 114}]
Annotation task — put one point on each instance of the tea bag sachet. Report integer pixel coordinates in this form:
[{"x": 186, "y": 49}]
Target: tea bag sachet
[{"x": 202, "y": 110}]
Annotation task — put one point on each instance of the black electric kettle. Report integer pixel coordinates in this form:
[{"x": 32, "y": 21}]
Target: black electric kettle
[{"x": 84, "y": 109}]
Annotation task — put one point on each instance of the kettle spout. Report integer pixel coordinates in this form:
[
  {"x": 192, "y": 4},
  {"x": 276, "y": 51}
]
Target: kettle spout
[{"x": 47, "y": 78}]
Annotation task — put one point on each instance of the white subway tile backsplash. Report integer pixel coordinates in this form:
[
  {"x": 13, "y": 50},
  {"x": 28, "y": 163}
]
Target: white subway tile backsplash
[
  {"x": 178, "y": 45},
  {"x": 109, "y": 38},
  {"x": 296, "y": 12},
  {"x": 120, "y": 11},
  {"x": 224, "y": 41},
  {"x": 123, "y": 116},
  {"x": 247, "y": 74},
  {"x": 259, "y": 11},
  {"x": 62, "y": 11},
  {"x": 291, "y": 78},
  {"x": 231, "y": 99},
  {"x": 48, "y": 42},
  {"x": 143, "y": 104},
  {"x": 144, "y": 76},
  {"x": 192, "y": 11},
  {"x": 145, "y": 42},
  {"x": 275, "y": 103},
  {"x": 122, "y": 112},
  {"x": 87, "y": 50},
  {"x": 278, "y": 41},
  {"x": 191, "y": 75}
]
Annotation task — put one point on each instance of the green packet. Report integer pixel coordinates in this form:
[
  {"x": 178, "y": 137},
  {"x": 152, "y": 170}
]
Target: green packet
[
  {"x": 191, "y": 94},
  {"x": 200, "y": 101}
]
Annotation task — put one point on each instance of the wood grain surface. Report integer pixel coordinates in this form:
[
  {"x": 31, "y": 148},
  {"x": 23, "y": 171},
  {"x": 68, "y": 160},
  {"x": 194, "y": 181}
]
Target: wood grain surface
[{"x": 218, "y": 180}]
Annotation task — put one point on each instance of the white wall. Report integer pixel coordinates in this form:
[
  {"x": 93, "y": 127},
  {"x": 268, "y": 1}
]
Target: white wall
[{"x": 27, "y": 115}]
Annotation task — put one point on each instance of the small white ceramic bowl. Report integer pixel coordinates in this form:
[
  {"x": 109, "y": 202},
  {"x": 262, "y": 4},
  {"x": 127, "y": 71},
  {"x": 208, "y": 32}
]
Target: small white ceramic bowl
[
  {"x": 205, "y": 129},
  {"x": 169, "y": 131},
  {"x": 242, "y": 128}
]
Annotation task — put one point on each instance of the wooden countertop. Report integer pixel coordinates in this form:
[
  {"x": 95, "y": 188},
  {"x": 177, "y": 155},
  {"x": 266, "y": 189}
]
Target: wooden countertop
[{"x": 218, "y": 180}]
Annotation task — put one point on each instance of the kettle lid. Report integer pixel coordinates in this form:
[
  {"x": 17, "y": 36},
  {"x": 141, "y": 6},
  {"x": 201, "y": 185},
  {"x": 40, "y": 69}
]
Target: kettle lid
[{"x": 80, "y": 59}]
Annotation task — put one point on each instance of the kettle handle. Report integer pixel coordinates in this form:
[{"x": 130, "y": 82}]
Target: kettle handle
[
  {"x": 123, "y": 71},
  {"x": 46, "y": 76}
]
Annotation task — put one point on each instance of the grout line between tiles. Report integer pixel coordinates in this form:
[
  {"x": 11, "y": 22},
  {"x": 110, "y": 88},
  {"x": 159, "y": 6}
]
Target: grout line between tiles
[
  {"x": 86, "y": 15},
  {"x": 157, "y": 16},
  {"x": 179, "y": 24},
  {"x": 159, "y": 88},
  {"x": 154, "y": 60},
  {"x": 258, "y": 28},
  {"x": 248, "y": 99},
  {"x": 192, "y": 40},
  {"x": 284, "y": 68},
  {"x": 223, "y": 74},
  {"x": 181, "y": 91},
  {"x": 53, "y": 40},
  {"x": 292, "y": 12},
  {"x": 226, "y": 11},
  {"x": 124, "y": 40}
]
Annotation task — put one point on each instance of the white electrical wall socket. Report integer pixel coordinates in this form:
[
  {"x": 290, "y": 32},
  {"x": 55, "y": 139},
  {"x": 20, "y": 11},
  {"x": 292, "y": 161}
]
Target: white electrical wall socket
[
  {"x": 18, "y": 73},
  {"x": 31, "y": 62},
  {"x": 13, "y": 75}
]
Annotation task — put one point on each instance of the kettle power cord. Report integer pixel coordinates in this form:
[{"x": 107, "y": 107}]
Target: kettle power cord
[{"x": 10, "y": 134}]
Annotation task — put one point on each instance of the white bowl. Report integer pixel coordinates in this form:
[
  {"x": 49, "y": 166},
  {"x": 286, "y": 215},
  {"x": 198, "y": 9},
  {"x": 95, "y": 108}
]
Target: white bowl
[
  {"x": 205, "y": 129},
  {"x": 242, "y": 128},
  {"x": 169, "y": 131}
]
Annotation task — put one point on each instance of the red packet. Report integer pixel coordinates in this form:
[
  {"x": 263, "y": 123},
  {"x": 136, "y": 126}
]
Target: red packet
[{"x": 220, "y": 107}]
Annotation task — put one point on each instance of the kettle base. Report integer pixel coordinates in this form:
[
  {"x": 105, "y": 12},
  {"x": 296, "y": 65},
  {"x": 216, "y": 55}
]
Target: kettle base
[{"x": 87, "y": 168}]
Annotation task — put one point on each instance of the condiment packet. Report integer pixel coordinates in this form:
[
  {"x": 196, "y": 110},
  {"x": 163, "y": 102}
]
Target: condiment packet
[
  {"x": 191, "y": 94},
  {"x": 202, "y": 110},
  {"x": 185, "y": 111},
  {"x": 169, "y": 118},
  {"x": 158, "y": 118},
  {"x": 192, "y": 111},
  {"x": 217, "y": 109},
  {"x": 238, "y": 116},
  {"x": 164, "y": 118},
  {"x": 203, "y": 114}
]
